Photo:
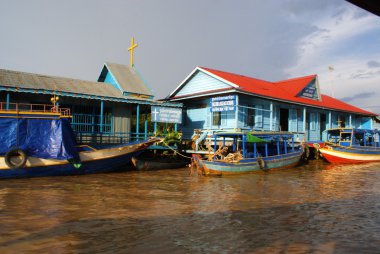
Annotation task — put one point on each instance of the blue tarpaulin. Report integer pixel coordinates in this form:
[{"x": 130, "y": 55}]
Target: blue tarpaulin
[{"x": 41, "y": 138}]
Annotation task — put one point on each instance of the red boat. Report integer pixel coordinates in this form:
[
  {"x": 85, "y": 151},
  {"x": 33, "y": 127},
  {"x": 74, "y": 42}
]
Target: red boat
[{"x": 350, "y": 145}]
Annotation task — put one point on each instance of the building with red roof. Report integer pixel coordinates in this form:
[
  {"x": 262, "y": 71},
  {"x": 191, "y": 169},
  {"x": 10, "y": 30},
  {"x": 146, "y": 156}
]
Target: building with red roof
[{"x": 217, "y": 100}]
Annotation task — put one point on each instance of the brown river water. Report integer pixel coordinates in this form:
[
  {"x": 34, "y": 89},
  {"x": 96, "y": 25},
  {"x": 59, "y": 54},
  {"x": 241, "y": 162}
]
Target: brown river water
[{"x": 314, "y": 208}]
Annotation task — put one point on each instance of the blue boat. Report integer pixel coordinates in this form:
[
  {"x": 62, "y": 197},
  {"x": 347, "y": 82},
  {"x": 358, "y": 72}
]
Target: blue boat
[
  {"x": 40, "y": 143},
  {"x": 243, "y": 152}
]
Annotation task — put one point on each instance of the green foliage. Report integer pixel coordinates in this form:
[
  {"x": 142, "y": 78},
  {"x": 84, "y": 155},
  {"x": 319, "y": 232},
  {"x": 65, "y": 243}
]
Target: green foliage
[{"x": 172, "y": 138}]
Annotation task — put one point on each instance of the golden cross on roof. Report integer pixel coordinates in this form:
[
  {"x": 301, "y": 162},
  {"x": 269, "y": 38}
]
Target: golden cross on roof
[{"x": 131, "y": 48}]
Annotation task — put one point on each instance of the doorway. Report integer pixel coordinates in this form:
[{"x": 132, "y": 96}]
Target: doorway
[
  {"x": 322, "y": 122},
  {"x": 284, "y": 119}
]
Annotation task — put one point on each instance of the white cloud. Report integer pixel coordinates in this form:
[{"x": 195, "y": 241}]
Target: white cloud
[
  {"x": 340, "y": 42},
  {"x": 332, "y": 33}
]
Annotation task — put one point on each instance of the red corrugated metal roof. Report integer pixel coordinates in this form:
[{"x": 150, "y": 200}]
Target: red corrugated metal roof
[
  {"x": 295, "y": 85},
  {"x": 285, "y": 90}
]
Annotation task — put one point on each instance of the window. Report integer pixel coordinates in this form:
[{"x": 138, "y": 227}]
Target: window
[
  {"x": 249, "y": 113},
  {"x": 258, "y": 116},
  {"x": 216, "y": 117},
  {"x": 224, "y": 118}
]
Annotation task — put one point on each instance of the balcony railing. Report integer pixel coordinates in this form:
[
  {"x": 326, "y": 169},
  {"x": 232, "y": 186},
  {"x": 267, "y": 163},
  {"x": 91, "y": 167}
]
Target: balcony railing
[{"x": 35, "y": 108}]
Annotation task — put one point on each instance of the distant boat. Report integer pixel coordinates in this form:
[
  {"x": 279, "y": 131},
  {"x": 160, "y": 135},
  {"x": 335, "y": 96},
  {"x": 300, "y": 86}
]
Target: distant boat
[
  {"x": 249, "y": 152},
  {"x": 351, "y": 145},
  {"x": 35, "y": 144},
  {"x": 158, "y": 163}
]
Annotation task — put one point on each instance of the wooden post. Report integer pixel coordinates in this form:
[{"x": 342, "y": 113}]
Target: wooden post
[
  {"x": 146, "y": 129},
  {"x": 8, "y": 100},
  {"x": 271, "y": 117},
  {"x": 304, "y": 120},
  {"x": 237, "y": 112},
  {"x": 244, "y": 146},
  {"x": 101, "y": 115},
  {"x": 350, "y": 119},
  {"x": 330, "y": 120},
  {"x": 93, "y": 121},
  {"x": 214, "y": 144},
  {"x": 137, "y": 121}
]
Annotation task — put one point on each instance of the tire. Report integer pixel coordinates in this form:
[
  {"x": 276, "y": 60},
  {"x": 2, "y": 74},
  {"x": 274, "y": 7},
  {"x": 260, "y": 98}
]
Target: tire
[
  {"x": 13, "y": 153},
  {"x": 261, "y": 163},
  {"x": 306, "y": 153}
]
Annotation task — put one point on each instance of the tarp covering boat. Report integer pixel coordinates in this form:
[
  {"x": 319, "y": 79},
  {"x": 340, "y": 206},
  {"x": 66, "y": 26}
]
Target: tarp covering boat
[
  {"x": 41, "y": 138},
  {"x": 254, "y": 139}
]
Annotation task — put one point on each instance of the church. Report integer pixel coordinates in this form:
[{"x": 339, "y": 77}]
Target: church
[{"x": 114, "y": 109}]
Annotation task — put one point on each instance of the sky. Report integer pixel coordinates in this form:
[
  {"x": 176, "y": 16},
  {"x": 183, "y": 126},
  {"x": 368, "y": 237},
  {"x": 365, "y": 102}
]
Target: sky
[{"x": 271, "y": 40}]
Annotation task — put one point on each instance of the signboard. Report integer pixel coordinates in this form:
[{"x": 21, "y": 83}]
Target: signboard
[
  {"x": 223, "y": 103},
  {"x": 166, "y": 115},
  {"x": 310, "y": 91}
]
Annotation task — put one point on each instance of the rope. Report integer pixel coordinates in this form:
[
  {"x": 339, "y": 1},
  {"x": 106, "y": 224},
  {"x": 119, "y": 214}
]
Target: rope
[{"x": 175, "y": 150}]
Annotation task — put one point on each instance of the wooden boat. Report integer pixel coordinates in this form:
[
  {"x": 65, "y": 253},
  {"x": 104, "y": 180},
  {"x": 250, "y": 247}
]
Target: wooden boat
[
  {"x": 249, "y": 152},
  {"x": 34, "y": 144},
  {"x": 350, "y": 145},
  {"x": 158, "y": 163}
]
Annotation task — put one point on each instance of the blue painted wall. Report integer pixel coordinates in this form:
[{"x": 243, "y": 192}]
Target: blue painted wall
[
  {"x": 201, "y": 82},
  {"x": 366, "y": 123},
  {"x": 110, "y": 80}
]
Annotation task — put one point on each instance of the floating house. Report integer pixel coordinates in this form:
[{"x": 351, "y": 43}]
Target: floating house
[
  {"x": 221, "y": 101},
  {"x": 107, "y": 111}
]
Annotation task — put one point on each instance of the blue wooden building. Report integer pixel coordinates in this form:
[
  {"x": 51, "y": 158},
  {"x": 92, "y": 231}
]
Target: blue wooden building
[
  {"x": 113, "y": 109},
  {"x": 217, "y": 100}
]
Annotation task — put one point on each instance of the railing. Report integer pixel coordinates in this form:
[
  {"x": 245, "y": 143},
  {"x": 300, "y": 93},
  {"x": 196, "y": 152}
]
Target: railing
[
  {"x": 35, "y": 108},
  {"x": 104, "y": 138}
]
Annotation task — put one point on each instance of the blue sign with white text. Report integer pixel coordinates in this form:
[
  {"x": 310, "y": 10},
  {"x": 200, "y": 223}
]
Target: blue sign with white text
[
  {"x": 166, "y": 115},
  {"x": 223, "y": 103}
]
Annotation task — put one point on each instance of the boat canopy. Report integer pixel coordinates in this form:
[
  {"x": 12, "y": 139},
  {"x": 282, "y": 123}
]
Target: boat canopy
[{"x": 37, "y": 137}]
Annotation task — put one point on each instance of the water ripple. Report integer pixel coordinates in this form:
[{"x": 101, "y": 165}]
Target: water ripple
[{"x": 314, "y": 208}]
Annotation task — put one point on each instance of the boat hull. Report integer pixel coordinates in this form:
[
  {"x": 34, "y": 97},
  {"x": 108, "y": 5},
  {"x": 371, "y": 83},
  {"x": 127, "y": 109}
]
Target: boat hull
[
  {"x": 349, "y": 156},
  {"x": 152, "y": 164},
  {"x": 251, "y": 165},
  {"x": 97, "y": 161}
]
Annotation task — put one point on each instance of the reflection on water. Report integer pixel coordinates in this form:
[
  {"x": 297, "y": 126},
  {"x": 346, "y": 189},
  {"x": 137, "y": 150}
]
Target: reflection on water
[{"x": 315, "y": 208}]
